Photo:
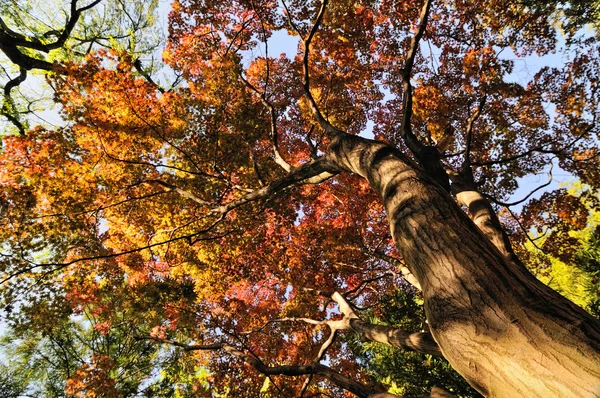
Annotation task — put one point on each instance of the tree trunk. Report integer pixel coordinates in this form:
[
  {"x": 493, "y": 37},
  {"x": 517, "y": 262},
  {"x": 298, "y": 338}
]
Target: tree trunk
[{"x": 507, "y": 333}]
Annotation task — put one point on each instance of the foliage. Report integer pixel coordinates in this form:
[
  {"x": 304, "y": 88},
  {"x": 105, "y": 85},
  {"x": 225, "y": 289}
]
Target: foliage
[
  {"x": 573, "y": 15},
  {"x": 77, "y": 357},
  {"x": 180, "y": 211},
  {"x": 36, "y": 37},
  {"x": 567, "y": 229}
]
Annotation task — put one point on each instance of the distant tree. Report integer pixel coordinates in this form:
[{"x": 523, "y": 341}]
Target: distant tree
[
  {"x": 76, "y": 358},
  {"x": 565, "y": 252}
]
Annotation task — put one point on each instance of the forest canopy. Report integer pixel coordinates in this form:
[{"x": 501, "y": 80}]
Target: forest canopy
[{"x": 299, "y": 198}]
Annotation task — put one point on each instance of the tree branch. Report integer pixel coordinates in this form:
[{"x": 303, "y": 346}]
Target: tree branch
[
  {"x": 312, "y": 172},
  {"x": 516, "y": 202},
  {"x": 421, "y": 341},
  {"x": 324, "y": 123},
  {"x": 273, "y": 120},
  {"x": 182, "y": 192},
  {"x": 466, "y": 192},
  {"x": 58, "y": 266},
  {"x": 8, "y": 103},
  {"x": 406, "y": 274},
  {"x": 466, "y": 166},
  {"x": 139, "y": 67},
  {"x": 428, "y": 156},
  {"x": 11, "y": 41},
  {"x": 540, "y": 148},
  {"x": 286, "y": 370},
  {"x": 399, "y": 338},
  {"x": 409, "y": 138}
]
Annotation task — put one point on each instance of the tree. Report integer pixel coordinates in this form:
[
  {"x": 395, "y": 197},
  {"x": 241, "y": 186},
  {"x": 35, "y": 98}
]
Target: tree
[
  {"x": 77, "y": 358},
  {"x": 565, "y": 256},
  {"x": 32, "y": 38},
  {"x": 407, "y": 372},
  {"x": 239, "y": 217},
  {"x": 573, "y": 15}
]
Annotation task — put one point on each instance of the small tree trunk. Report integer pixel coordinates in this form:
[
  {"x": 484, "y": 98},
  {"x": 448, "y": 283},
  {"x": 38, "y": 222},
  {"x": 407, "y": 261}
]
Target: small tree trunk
[{"x": 507, "y": 333}]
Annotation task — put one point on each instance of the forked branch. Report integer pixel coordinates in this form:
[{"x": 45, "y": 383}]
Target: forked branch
[
  {"x": 427, "y": 155},
  {"x": 11, "y": 42},
  {"x": 399, "y": 338},
  {"x": 419, "y": 341},
  {"x": 466, "y": 192}
]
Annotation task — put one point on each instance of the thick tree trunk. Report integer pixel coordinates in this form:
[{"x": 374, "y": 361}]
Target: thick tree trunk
[{"x": 507, "y": 333}]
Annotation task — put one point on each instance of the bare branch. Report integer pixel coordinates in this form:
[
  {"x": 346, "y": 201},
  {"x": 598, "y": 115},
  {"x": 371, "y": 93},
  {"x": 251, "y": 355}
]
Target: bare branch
[
  {"x": 420, "y": 341},
  {"x": 466, "y": 192},
  {"x": 522, "y": 228},
  {"x": 483, "y": 215},
  {"x": 410, "y": 278},
  {"x": 312, "y": 172},
  {"x": 516, "y": 202},
  {"x": 290, "y": 20},
  {"x": 361, "y": 286},
  {"x": 541, "y": 148},
  {"x": 416, "y": 341},
  {"x": 466, "y": 166},
  {"x": 182, "y": 192}
]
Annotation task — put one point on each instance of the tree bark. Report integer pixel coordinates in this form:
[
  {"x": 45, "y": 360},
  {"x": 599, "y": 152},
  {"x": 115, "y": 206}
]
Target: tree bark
[
  {"x": 484, "y": 216},
  {"x": 507, "y": 333},
  {"x": 416, "y": 341}
]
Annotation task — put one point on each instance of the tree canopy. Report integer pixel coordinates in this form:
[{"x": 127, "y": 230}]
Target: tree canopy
[{"x": 217, "y": 223}]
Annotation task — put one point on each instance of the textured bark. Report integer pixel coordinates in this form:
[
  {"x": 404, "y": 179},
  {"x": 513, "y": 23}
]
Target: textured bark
[
  {"x": 507, "y": 333},
  {"x": 399, "y": 338},
  {"x": 396, "y": 337},
  {"x": 484, "y": 216}
]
